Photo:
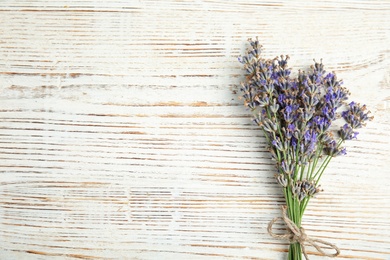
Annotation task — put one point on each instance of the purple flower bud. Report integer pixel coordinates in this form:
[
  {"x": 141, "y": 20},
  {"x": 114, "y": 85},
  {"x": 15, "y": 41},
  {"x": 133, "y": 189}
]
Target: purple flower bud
[
  {"x": 294, "y": 142},
  {"x": 346, "y": 132},
  {"x": 329, "y": 76},
  {"x": 281, "y": 98},
  {"x": 307, "y": 136},
  {"x": 288, "y": 109},
  {"x": 278, "y": 144}
]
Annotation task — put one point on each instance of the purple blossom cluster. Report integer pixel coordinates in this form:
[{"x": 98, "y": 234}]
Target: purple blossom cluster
[{"x": 296, "y": 114}]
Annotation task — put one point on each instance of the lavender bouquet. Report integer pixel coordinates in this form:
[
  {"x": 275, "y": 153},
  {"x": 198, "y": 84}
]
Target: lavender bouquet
[{"x": 296, "y": 116}]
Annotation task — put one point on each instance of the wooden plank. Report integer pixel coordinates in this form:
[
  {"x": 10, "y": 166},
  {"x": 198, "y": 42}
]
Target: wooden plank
[{"x": 121, "y": 136}]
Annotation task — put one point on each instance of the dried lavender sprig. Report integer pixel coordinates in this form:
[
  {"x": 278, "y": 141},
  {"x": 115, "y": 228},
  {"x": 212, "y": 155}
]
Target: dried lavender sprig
[
  {"x": 270, "y": 78},
  {"x": 295, "y": 115}
]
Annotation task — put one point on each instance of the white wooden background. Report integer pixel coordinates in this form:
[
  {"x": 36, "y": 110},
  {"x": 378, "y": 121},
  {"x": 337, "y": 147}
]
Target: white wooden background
[{"x": 121, "y": 137}]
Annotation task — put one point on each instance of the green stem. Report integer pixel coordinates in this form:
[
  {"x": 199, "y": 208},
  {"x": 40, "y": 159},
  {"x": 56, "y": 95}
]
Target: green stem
[
  {"x": 322, "y": 169},
  {"x": 302, "y": 171},
  {"x": 315, "y": 161},
  {"x": 294, "y": 213},
  {"x": 310, "y": 164},
  {"x": 304, "y": 205}
]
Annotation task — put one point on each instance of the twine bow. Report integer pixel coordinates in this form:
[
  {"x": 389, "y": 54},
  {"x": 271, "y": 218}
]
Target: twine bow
[{"x": 297, "y": 235}]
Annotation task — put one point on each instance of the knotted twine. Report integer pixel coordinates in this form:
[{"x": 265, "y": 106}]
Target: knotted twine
[{"x": 297, "y": 235}]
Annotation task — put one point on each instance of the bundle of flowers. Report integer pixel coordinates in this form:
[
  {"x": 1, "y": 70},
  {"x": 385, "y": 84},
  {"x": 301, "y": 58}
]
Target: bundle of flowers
[{"x": 297, "y": 115}]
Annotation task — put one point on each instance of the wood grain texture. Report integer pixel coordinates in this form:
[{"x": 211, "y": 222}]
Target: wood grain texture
[{"x": 121, "y": 136}]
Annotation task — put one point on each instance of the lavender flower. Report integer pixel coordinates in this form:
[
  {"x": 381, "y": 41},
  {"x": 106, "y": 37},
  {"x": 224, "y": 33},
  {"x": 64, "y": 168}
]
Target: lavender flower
[
  {"x": 346, "y": 132},
  {"x": 296, "y": 115},
  {"x": 356, "y": 115}
]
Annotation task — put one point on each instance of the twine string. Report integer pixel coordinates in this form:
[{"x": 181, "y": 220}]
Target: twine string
[{"x": 298, "y": 235}]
